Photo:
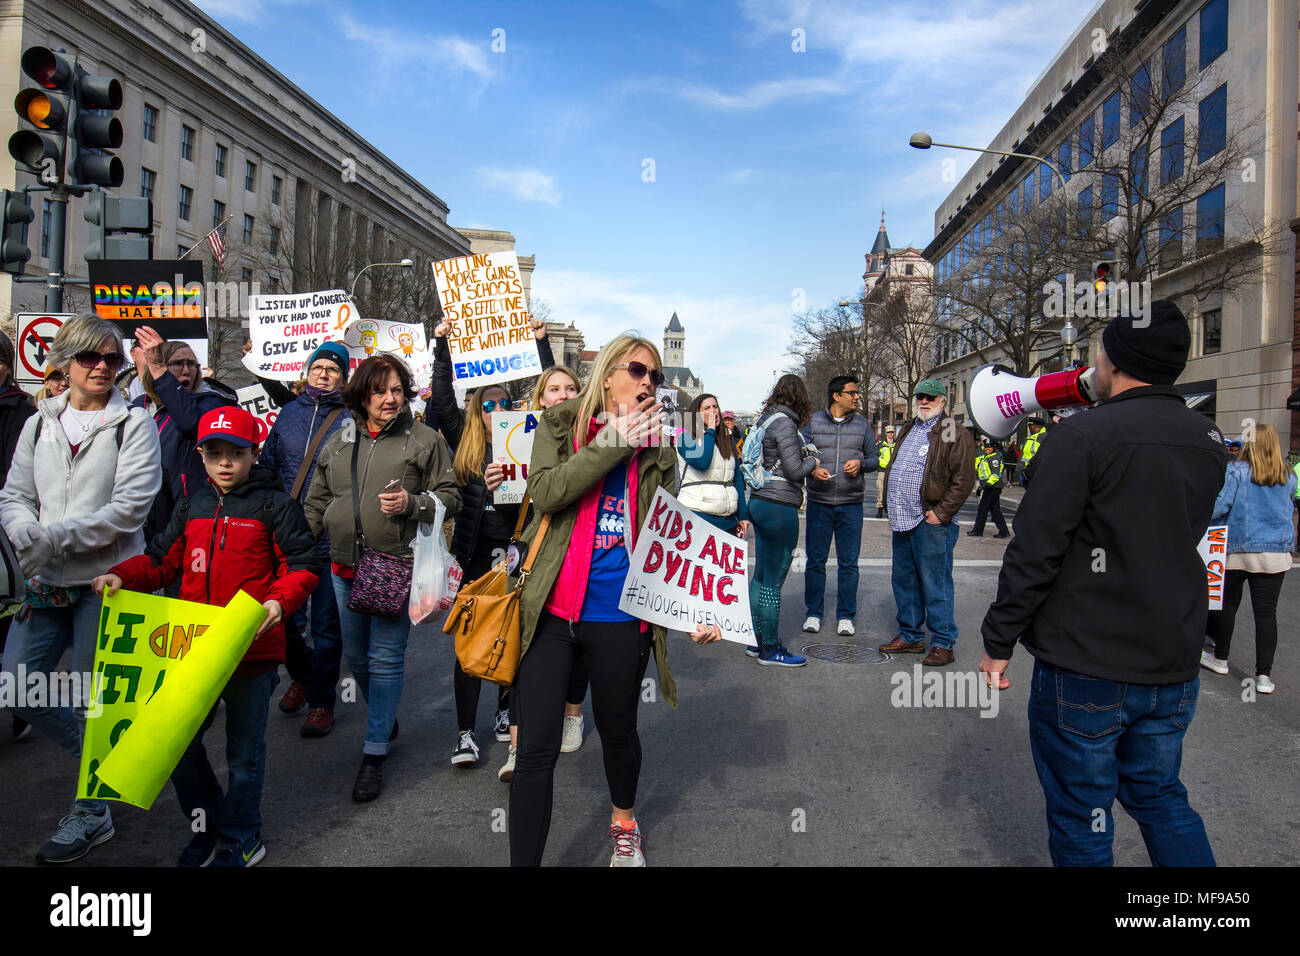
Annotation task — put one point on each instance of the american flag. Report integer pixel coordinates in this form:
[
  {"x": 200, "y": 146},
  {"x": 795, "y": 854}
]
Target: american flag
[{"x": 217, "y": 240}]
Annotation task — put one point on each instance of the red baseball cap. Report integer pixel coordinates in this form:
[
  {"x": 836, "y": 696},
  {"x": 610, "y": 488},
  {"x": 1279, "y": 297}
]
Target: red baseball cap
[{"x": 229, "y": 423}]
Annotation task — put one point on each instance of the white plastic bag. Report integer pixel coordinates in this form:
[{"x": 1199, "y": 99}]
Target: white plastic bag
[{"x": 435, "y": 574}]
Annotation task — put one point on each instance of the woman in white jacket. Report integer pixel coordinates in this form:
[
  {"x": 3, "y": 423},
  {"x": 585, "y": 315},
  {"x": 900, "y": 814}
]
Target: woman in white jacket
[
  {"x": 708, "y": 469},
  {"x": 84, "y": 475}
]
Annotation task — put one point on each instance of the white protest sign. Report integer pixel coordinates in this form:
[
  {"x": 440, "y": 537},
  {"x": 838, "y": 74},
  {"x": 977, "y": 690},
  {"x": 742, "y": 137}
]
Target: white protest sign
[
  {"x": 512, "y": 448},
  {"x": 36, "y": 331},
  {"x": 367, "y": 337},
  {"x": 491, "y": 337},
  {"x": 686, "y": 572},
  {"x": 1214, "y": 552},
  {"x": 254, "y": 400},
  {"x": 286, "y": 329}
]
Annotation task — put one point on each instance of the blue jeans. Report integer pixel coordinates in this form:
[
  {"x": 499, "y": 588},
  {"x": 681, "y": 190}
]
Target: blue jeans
[
  {"x": 37, "y": 639},
  {"x": 317, "y": 665},
  {"x": 237, "y": 813},
  {"x": 922, "y": 579},
  {"x": 845, "y": 523},
  {"x": 376, "y": 653},
  {"x": 1094, "y": 740}
]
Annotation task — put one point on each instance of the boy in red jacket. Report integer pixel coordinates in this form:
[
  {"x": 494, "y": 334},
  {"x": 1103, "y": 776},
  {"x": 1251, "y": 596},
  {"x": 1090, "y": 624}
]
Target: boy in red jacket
[{"x": 239, "y": 532}]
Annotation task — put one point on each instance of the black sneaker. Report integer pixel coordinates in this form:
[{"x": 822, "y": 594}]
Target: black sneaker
[
  {"x": 466, "y": 752},
  {"x": 502, "y": 728},
  {"x": 200, "y": 851}
]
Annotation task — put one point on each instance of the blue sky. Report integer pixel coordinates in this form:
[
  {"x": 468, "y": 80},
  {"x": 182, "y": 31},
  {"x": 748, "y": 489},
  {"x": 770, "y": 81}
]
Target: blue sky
[{"x": 770, "y": 166}]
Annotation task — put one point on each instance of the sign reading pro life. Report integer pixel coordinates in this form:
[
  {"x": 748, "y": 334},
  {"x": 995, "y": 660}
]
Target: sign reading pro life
[{"x": 686, "y": 572}]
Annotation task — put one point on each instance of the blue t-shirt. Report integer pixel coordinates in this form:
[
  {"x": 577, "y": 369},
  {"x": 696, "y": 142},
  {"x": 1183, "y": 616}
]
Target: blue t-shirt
[{"x": 609, "y": 559}]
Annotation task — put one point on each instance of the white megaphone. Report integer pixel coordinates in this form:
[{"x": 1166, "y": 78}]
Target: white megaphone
[{"x": 999, "y": 400}]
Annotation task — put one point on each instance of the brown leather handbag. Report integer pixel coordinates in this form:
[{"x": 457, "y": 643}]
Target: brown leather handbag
[{"x": 485, "y": 616}]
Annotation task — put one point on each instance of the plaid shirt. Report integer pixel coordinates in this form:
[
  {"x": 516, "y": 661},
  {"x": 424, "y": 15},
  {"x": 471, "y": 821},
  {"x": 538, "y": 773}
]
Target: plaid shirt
[{"x": 906, "y": 472}]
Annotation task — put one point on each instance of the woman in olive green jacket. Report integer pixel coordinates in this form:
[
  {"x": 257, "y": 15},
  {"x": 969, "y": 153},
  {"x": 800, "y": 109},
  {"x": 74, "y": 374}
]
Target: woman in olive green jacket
[
  {"x": 597, "y": 461},
  {"x": 401, "y": 466}
]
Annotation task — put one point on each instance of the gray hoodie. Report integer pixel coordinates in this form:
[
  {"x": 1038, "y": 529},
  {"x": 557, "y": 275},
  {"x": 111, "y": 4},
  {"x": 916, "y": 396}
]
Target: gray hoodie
[
  {"x": 784, "y": 455},
  {"x": 91, "y": 506}
]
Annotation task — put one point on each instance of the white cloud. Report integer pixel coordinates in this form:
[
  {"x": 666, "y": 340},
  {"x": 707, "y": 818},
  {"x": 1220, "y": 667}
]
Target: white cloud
[
  {"x": 435, "y": 53},
  {"x": 527, "y": 184},
  {"x": 739, "y": 176},
  {"x": 755, "y": 96},
  {"x": 733, "y": 343}
]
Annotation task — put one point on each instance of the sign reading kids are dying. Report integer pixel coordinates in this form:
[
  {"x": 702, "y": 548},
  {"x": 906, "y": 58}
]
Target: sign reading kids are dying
[{"x": 491, "y": 337}]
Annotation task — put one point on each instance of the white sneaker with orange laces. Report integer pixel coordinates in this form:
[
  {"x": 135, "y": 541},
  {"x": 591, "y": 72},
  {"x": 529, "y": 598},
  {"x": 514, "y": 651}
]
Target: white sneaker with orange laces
[{"x": 629, "y": 844}]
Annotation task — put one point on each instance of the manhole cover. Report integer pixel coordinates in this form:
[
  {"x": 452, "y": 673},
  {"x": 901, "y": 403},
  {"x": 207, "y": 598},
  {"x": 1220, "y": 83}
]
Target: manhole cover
[{"x": 844, "y": 654}]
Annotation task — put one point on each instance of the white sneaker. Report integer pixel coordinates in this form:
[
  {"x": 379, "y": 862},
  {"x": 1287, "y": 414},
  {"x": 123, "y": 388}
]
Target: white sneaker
[
  {"x": 1264, "y": 684},
  {"x": 812, "y": 625},
  {"x": 628, "y": 846},
  {"x": 1208, "y": 660},
  {"x": 571, "y": 737},
  {"x": 846, "y": 627},
  {"x": 507, "y": 771}
]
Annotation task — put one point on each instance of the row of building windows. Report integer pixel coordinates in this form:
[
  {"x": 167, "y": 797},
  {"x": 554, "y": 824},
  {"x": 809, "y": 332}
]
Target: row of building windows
[
  {"x": 220, "y": 160},
  {"x": 1212, "y": 129}
]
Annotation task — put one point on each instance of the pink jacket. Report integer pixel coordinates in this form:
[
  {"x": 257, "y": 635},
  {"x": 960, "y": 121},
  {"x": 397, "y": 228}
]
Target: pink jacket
[{"x": 570, "y": 588}]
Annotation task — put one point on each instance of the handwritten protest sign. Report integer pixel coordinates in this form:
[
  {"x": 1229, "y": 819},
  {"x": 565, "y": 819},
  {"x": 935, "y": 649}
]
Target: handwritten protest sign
[
  {"x": 139, "y": 724},
  {"x": 1214, "y": 552},
  {"x": 512, "y": 448},
  {"x": 254, "y": 400},
  {"x": 686, "y": 572},
  {"x": 286, "y": 329},
  {"x": 367, "y": 337},
  {"x": 167, "y": 296},
  {"x": 491, "y": 338}
]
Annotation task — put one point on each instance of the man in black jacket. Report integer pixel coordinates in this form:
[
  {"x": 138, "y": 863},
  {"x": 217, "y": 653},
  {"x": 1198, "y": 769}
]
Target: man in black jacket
[{"x": 1103, "y": 584}]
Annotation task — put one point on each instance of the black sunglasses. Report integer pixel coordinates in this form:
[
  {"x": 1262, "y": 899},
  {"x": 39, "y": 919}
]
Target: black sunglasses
[
  {"x": 90, "y": 359},
  {"x": 640, "y": 370},
  {"x": 491, "y": 406}
]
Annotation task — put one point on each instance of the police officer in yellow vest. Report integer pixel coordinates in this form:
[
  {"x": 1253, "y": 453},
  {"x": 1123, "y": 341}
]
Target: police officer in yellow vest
[
  {"x": 885, "y": 448},
  {"x": 988, "y": 472},
  {"x": 1030, "y": 449}
]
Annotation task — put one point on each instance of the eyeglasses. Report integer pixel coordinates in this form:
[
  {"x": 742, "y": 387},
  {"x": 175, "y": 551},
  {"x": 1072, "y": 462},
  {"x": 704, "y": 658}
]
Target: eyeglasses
[
  {"x": 90, "y": 359},
  {"x": 55, "y": 376},
  {"x": 181, "y": 365},
  {"x": 329, "y": 368},
  {"x": 492, "y": 406},
  {"x": 641, "y": 370},
  {"x": 928, "y": 398},
  {"x": 854, "y": 393}
]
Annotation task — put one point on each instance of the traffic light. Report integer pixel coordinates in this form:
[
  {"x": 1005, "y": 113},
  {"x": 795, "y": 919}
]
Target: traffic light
[
  {"x": 95, "y": 133},
  {"x": 109, "y": 214},
  {"x": 41, "y": 147},
  {"x": 1101, "y": 276},
  {"x": 15, "y": 214}
]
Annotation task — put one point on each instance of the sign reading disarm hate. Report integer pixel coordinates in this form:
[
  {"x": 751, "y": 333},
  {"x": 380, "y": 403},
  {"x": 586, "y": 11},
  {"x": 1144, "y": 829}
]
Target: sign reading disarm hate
[
  {"x": 491, "y": 337},
  {"x": 686, "y": 572},
  {"x": 165, "y": 295}
]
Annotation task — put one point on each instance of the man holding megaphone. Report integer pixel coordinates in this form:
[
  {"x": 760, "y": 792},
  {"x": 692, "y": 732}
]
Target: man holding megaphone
[{"x": 1103, "y": 585}]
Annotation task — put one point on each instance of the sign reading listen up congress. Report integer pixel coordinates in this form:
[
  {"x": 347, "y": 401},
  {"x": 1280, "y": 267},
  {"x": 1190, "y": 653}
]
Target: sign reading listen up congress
[{"x": 491, "y": 337}]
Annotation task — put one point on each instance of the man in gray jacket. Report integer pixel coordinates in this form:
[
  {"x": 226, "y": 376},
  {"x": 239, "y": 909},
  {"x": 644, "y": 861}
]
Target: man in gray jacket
[{"x": 845, "y": 445}]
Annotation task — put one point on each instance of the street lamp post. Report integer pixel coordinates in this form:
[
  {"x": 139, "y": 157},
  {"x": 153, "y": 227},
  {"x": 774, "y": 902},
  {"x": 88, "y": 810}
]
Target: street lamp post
[
  {"x": 1069, "y": 335},
  {"x": 404, "y": 264},
  {"x": 923, "y": 141}
]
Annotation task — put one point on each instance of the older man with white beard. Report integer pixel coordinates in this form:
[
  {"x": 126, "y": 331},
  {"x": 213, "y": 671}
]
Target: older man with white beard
[{"x": 931, "y": 473}]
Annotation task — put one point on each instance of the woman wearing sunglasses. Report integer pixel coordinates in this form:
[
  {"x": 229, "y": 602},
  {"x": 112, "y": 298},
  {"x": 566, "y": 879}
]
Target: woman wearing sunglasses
[
  {"x": 56, "y": 383},
  {"x": 598, "y": 460},
  {"x": 481, "y": 533},
  {"x": 177, "y": 397},
  {"x": 83, "y": 478}
]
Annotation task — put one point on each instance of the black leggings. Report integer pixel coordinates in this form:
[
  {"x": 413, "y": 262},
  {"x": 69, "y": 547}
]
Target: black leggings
[
  {"x": 467, "y": 688},
  {"x": 616, "y": 655},
  {"x": 1264, "y": 592}
]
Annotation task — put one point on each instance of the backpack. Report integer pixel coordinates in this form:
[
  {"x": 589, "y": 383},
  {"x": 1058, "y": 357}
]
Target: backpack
[{"x": 757, "y": 474}]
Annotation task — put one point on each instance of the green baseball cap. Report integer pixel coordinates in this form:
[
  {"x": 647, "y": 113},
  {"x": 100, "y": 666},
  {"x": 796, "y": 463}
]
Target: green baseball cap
[{"x": 930, "y": 386}]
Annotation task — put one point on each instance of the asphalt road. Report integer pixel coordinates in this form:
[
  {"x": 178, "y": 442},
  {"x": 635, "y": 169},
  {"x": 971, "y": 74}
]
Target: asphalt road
[{"x": 759, "y": 766}]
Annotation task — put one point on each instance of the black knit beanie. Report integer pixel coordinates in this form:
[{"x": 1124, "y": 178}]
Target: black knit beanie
[{"x": 1154, "y": 352}]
